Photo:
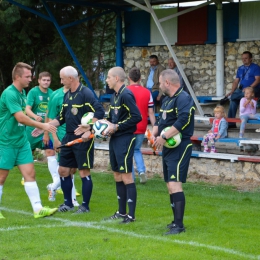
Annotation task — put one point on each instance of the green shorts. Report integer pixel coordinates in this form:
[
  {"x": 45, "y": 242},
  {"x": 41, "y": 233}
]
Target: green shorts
[{"x": 10, "y": 157}]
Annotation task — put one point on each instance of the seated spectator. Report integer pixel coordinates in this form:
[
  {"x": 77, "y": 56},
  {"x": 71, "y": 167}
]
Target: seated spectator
[
  {"x": 248, "y": 75},
  {"x": 218, "y": 130},
  {"x": 247, "y": 109}
]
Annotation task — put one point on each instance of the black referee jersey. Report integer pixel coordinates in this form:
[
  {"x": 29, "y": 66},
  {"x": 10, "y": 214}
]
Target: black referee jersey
[
  {"x": 178, "y": 111},
  {"x": 75, "y": 105},
  {"x": 124, "y": 112}
]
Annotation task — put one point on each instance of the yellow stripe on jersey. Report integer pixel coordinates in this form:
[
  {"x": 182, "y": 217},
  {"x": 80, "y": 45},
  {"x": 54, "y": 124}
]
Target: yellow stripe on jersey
[{"x": 190, "y": 114}]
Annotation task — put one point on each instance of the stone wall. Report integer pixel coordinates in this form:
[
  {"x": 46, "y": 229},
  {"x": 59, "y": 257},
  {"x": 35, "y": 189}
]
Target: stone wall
[
  {"x": 224, "y": 169},
  {"x": 198, "y": 62}
]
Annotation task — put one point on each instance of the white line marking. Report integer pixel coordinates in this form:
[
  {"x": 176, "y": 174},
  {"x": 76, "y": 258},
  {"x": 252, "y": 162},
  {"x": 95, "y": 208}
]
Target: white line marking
[{"x": 96, "y": 225}]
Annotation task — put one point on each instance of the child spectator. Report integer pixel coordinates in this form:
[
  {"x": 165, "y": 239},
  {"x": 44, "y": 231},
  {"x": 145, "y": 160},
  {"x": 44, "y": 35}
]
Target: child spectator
[
  {"x": 218, "y": 130},
  {"x": 247, "y": 109}
]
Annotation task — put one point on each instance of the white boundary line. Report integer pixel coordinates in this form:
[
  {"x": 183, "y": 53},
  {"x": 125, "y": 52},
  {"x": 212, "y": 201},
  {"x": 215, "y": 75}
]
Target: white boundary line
[{"x": 96, "y": 225}]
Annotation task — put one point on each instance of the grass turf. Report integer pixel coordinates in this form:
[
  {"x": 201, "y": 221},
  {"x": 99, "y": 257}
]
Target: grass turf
[{"x": 221, "y": 223}]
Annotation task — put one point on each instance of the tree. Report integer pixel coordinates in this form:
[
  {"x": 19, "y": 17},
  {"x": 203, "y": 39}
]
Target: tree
[{"x": 29, "y": 38}]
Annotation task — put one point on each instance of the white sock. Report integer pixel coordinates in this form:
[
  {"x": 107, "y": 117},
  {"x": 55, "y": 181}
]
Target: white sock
[
  {"x": 32, "y": 190},
  {"x": 53, "y": 168},
  {"x": 73, "y": 191},
  {"x": 1, "y": 192}
]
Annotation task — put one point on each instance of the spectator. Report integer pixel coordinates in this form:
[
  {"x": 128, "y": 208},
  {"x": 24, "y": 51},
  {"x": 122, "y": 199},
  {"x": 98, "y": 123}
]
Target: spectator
[
  {"x": 144, "y": 102},
  {"x": 172, "y": 66},
  {"x": 152, "y": 78},
  {"x": 248, "y": 75},
  {"x": 247, "y": 109},
  {"x": 218, "y": 130}
]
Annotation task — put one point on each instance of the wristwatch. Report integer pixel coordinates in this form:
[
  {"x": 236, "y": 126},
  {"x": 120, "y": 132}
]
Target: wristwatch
[{"x": 164, "y": 137}]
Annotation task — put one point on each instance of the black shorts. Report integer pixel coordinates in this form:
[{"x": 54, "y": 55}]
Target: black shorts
[
  {"x": 176, "y": 162},
  {"x": 121, "y": 152},
  {"x": 79, "y": 155}
]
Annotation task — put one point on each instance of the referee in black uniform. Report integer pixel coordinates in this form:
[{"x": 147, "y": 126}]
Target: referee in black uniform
[
  {"x": 123, "y": 116},
  {"x": 177, "y": 111},
  {"x": 77, "y": 101}
]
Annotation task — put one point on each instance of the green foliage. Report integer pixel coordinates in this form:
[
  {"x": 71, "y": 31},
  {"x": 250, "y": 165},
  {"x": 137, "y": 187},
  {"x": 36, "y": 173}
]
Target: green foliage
[
  {"x": 221, "y": 224},
  {"x": 29, "y": 38}
]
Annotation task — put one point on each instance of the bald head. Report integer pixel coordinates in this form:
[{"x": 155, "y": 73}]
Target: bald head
[
  {"x": 171, "y": 76},
  {"x": 118, "y": 72},
  {"x": 69, "y": 71}
]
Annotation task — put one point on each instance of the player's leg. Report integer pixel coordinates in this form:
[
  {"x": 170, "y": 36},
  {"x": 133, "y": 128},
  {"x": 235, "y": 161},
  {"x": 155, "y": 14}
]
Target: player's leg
[
  {"x": 176, "y": 163},
  {"x": 3, "y": 176},
  {"x": 120, "y": 186},
  {"x": 67, "y": 161},
  {"x": 74, "y": 191},
  {"x": 124, "y": 157},
  {"x": 24, "y": 161},
  {"x": 53, "y": 166},
  {"x": 84, "y": 154}
]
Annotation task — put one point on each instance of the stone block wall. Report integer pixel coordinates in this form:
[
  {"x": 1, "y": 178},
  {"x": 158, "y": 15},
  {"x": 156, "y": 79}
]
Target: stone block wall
[
  {"x": 198, "y": 62},
  {"x": 210, "y": 168}
]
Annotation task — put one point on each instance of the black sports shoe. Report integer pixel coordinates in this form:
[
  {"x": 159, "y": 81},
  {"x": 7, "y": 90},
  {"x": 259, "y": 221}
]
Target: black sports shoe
[
  {"x": 169, "y": 226},
  {"x": 175, "y": 229},
  {"x": 127, "y": 219},
  {"x": 81, "y": 210},
  {"x": 117, "y": 215},
  {"x": 65, "y": 208}
]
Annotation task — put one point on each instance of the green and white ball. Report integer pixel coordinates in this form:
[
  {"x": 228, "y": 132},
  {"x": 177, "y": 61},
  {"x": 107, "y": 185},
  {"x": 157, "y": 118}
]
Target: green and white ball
[
  {"x": 87, "y": 118},
  {"x": 173, "y": 141}
]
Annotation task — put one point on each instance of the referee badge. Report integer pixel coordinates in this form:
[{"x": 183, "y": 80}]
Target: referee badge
[
  {"x": 164, "y": 115},
  {"x": 74, "y": 111}
]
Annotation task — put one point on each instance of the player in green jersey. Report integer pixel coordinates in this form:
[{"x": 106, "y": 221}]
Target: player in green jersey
[
  {"x": 14, "y": 146},
  {"x": 36, "y": 107}
]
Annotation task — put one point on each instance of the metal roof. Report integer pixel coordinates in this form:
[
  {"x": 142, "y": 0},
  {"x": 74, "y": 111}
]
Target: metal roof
[{"x": 118, "y": 4}]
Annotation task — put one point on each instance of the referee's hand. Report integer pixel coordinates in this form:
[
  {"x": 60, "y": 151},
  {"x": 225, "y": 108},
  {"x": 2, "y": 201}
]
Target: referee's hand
[
  {"x": 82, "y": 129},
  {"x": 159, "y": 142}
]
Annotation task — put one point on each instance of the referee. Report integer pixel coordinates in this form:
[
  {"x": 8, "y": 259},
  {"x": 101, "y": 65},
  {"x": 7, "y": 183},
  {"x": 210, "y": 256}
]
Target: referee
[
  {"x": 123, "y": 116},
  {"x": 177, "y": 112},
  {"x": 77, "y": 101}
]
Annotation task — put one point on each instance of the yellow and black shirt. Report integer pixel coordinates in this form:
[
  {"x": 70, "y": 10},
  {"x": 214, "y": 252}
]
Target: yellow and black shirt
[
  {"x": 75, "y": 105},
  {"x": 178, "y": 111},
  {"x": 124, "y": 112}
]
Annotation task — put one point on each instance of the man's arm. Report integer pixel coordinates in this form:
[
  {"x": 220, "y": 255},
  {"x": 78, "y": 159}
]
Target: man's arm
[
  {"x": 151, "y": 115},
  {"x": 30, "y": 113},
  {"x": 234, "y": 87},
  {"x": 25, "y": 120},
  {"x": 256, "y": 82}
]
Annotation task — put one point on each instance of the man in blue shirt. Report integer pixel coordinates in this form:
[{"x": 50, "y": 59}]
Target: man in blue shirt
[{"x": 248, "y": 75}]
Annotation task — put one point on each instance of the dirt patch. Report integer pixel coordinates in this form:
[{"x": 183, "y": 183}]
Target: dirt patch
[{"x": 240, "y": 185}]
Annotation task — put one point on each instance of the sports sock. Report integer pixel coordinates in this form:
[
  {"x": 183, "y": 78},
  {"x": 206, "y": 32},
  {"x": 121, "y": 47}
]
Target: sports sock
[
  {"x": 73, "y": 191},
  {"x": 131, "y": 199},
  {"x": 32, "y": 190},
  {"x": 121, "y": 197},
  {"x": 172, "y": 205},
  {"x": 87, "y": 187},
  {"x": 53, "y": 169},
  {"x": 1, "y": 192},
  {"x": 66, "y": 186},
  {"x": 179, "y": 201}
]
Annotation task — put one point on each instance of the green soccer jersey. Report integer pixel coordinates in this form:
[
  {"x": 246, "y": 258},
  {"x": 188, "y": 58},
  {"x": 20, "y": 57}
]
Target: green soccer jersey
[
  {"x": 12, "y": 132},
  {"x": 54, "y": 108},
  {"x": 38, "y": 101}
]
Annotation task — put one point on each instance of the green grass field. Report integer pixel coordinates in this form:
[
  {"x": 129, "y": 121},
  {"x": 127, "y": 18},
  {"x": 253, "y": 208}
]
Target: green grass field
[{"x": 221, "y": 223}]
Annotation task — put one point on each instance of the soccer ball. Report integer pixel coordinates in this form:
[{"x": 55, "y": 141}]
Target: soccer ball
[
  {"x": 99, "y": 128},
  {"x": 87, "y": 118},
  {"x": 172, "y": 142}
]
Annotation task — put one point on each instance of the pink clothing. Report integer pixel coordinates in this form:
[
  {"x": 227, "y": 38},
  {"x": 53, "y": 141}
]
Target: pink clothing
[
  {"x": 248, "y": 109},
  {"x": 144, "y": 100},
  {"x": 217, "y": 121}
]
